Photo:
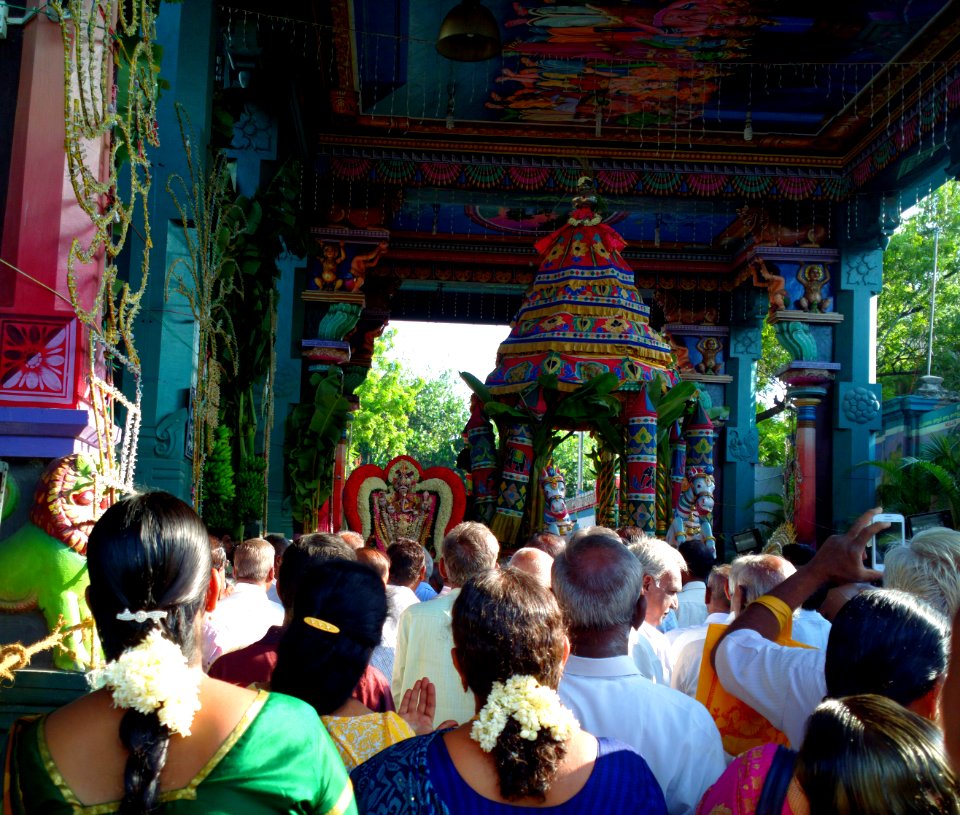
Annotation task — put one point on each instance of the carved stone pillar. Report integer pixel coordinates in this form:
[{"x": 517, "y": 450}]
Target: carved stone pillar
[
  {"x": 858, "y": 414},
  {"x": 742, "y": 439},
  {"x": 807, "y": 385}
]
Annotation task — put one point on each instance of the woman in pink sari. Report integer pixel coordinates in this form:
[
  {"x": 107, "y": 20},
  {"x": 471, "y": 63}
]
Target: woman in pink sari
[{"x": 862, "y": 755}]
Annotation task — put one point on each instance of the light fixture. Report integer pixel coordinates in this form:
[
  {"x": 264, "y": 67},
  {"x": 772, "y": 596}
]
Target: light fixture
[
  {"x": 469, "y": 33},
  {"x": 748, "y": 127}
]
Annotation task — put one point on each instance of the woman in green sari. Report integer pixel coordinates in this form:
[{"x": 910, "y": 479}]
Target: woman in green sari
[{"x": 158, "y": 735}]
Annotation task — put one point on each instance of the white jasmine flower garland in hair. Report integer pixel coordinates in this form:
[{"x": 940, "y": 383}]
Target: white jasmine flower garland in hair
[
  {"x": 532, "y": 705},
  {"x": 153, "y": 676}
]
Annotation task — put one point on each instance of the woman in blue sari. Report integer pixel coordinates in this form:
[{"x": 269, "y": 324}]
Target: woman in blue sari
[{"x": 523, "y": 749}]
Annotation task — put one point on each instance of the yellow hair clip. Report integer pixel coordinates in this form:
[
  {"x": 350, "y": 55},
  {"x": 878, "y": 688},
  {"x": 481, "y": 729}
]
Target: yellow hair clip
[{"x": 321, "y": 625}]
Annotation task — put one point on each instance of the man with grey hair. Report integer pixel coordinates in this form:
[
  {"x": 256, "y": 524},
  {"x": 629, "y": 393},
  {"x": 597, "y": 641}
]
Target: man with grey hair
[
  {"x": 424, "y": 636},
  {"x": 750, "y": 577},
  {"x": 244, "y": 616},
  {"x": 661, "y": 565},
  {"x": 598, "y": 584}
]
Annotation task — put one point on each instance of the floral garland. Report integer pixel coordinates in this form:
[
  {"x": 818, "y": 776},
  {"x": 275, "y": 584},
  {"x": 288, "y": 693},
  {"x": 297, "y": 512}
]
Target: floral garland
[
  {"x": 153, "y": 676},
  {"x": 532, "y": 705}
]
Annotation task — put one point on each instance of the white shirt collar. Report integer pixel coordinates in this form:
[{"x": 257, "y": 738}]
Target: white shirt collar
[{"x": 622, "y": 665}]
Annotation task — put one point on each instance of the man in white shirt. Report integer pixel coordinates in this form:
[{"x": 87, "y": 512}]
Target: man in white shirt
[
  {"x": 424, "y": 637},
  {"x": 243, "y": 616},
  {"x": 599, "y": 587},
  {"x": 750, "y": 577},
  {"x": 691, "y": 601},
  {"x": 407, "y": 566},
  {"x": 884, "y": 642},
  {"x": 686, "y": 644},
  {"x": 661, "y": 565}
]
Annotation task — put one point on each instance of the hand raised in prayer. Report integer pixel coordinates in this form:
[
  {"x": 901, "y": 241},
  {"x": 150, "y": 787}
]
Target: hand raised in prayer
[
  {"x": 418, "y": 706},
  {"x": 840, "y": 558}
]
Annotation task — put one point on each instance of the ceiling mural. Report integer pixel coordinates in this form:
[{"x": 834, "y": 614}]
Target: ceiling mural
[{"x": 682, "y": 74}]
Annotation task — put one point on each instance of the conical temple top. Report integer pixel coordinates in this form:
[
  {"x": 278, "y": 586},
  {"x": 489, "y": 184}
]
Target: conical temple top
[{"x": 583, "y": 316}]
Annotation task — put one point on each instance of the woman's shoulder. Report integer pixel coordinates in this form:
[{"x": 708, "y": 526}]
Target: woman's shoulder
[
  {"x": 620, "y": 767},
  {"x": 407, "y": 754},
  {"x": 397, "y": 779}
]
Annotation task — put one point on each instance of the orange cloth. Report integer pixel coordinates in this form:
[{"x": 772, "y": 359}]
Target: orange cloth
[{"x": 741, "y": 727}]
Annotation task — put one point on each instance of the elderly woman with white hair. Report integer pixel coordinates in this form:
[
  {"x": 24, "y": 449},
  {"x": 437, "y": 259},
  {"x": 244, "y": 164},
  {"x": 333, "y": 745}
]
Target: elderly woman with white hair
[{"x": 928, "y": 566}]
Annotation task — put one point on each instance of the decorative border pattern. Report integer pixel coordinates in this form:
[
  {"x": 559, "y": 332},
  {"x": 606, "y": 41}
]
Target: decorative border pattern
[{"x": 613, "y": 180}]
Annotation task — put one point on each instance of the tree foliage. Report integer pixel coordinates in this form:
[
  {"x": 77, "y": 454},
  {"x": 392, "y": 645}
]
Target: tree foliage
[
  {"x": 565, "y": 457},
  {"x": 773, "y": 431},
  {"x": 403, "y": 414},
  {"x": 437, "y": 423},
  {"x": 904, "y": 303}
]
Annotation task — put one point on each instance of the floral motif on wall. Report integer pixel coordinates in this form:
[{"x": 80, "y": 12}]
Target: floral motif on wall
[{"x": 37, "y": 360}]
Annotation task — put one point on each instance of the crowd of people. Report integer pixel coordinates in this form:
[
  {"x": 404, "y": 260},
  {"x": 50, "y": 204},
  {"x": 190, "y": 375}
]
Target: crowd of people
[{"x": 607, "y": 672}]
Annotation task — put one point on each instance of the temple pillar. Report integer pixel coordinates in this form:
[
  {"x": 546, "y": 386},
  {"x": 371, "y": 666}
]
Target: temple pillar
[
  {"x": 742, "y": 439},
  {"x": 857, "y": 412},
  {"x": 807, "y": 386},
  {"x": 606, "y": 511},
  {"x": 166, "y": 333},
  {"x": 640, "y": 486},
  {"x": 44, "y": 362}
]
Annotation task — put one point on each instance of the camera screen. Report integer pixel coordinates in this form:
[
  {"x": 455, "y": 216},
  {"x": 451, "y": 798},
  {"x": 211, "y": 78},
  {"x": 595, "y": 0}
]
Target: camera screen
[{"x": 887, "y": 539}]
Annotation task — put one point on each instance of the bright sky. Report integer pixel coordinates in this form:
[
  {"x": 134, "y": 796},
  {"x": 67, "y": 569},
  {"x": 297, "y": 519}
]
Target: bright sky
[{"x": 429, "y": 349}]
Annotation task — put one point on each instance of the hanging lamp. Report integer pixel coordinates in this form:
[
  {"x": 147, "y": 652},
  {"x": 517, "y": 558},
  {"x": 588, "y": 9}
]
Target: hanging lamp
[{"x": 469, "y": 33}]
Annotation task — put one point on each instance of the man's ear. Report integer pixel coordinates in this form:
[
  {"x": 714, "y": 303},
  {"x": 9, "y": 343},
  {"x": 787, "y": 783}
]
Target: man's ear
[
  {"x": 648, "y": 583},
  {"x": 423, "y": 574},
  {"x": 443, "y": 569},
  {"x": 639, "y": 612}
]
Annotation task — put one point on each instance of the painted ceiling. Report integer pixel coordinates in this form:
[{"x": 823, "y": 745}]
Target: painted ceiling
[
  {"x": 681, "y": 74},
  {"x": 689, "y": 114}
]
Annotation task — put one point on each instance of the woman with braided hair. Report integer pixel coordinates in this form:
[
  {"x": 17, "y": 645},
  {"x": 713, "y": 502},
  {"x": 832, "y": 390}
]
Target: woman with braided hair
[
  {"x": 157, "y": 735},
  {"x": 523, "y": 749}
]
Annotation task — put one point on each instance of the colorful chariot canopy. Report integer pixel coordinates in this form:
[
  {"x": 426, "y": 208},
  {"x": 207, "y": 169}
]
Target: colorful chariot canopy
[{"x": 583, "y": 316}]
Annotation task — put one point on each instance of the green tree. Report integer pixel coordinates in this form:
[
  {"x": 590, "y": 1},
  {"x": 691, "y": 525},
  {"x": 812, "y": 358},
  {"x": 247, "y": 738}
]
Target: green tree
[
  {"x": 773, "y": 428},
  {"x": 388, "y": 396},
  {"x": 437, "y": 422},
  {"x": 904, "y": 303},
  {"x": 565, "y": 457}
]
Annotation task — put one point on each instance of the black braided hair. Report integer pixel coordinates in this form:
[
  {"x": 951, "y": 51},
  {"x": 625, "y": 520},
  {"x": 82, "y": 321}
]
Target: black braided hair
[{"x": 148, "y": 552}]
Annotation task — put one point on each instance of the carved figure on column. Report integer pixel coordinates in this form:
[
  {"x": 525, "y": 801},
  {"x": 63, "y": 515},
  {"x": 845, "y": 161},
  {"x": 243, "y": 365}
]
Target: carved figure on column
[
  {"x": 354, "y": 279},
  {"x": 330, "y": 258},
  {"x": 775, "y": 285},
  {"x": 709, "y": 348},
  {"x": 692, "y": 515},
  {"x": 813, "y": 277}
]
